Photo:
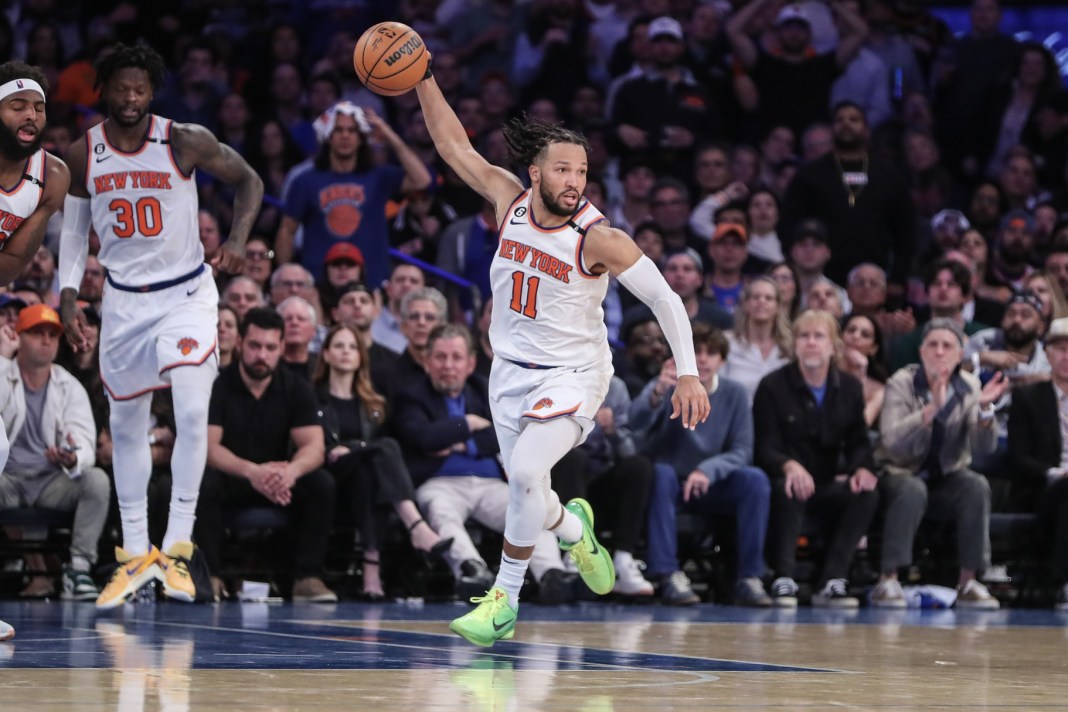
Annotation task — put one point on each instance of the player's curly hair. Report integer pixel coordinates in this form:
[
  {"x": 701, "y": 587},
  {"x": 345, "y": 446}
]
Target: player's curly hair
[
  {"x": 20, "y": 70},
  {"x": 137, "y": 56},
  {"x": 528, "y": 137}
]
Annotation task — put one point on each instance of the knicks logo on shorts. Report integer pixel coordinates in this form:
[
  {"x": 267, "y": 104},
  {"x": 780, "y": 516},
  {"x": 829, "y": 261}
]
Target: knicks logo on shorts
[
  {"x": 543, "y": 403},
  {"x": 187, "y": 346}
]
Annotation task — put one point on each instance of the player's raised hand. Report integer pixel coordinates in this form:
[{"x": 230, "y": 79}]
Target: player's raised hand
[
  {"x": 230, "y": 258},
  {"x": 690, "y": 400},
  {"x": 75, "y": 325}
]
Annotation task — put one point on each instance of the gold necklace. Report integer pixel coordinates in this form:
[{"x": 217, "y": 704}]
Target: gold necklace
[{"x": 853, "y": 190}]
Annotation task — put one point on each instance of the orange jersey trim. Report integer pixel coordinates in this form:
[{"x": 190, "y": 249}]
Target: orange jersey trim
[
  {"x": 22, "y": 179},
  {"x": 197, "y": 362},
  {"x": 170, "y": 153},
  {"x": 573, "y": 219},
  {"x": 550, "y": 416},
  {"x": 141, "y": 392},
  {"x": 144, "y": 141}
]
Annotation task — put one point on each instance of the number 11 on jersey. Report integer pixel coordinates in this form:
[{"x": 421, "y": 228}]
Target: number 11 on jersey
[{"x": 527, "y": 306}]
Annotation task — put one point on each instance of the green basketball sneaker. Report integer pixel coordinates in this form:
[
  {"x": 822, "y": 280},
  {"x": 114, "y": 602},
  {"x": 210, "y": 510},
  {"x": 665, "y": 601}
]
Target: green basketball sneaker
[
  {"x": 492, "y": 620},
  {"x": 592, "y": 560}
]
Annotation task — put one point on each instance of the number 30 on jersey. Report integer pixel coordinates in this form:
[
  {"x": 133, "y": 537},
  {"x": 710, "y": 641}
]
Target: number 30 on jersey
[{"x": 143, "y": 217}]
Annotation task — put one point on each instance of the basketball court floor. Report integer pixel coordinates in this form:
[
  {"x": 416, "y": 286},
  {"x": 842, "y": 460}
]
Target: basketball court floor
[{"x": 596, "y": 657}]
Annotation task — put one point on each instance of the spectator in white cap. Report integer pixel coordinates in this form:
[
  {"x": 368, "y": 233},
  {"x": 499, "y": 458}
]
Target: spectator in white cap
[
  {"x": 342, "y": 197},
  {"x": 666, "y": 112},
  {"x": 793, "y": 83}
]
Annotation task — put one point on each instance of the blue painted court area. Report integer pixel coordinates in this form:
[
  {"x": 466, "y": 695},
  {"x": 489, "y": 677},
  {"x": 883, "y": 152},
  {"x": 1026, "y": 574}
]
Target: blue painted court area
[
  {"x": 349, "y": 636},
  {"x": 313, "y": 637}
]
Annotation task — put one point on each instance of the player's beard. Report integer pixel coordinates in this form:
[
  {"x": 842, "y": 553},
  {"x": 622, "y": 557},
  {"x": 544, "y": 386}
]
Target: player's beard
[
  {"x": 14, "y": 149},
  {"x": 124, "y": 122},
  {"x": 552, "y": 204}
]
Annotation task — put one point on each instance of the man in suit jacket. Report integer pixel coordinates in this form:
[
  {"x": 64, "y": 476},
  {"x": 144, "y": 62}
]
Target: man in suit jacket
[
  {"x": 451, "y": 449},
  {"x": 1038, "y": 421}
]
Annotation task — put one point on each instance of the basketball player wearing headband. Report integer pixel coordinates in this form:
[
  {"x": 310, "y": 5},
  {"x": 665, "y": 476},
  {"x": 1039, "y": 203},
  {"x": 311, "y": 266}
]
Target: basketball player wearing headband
[
  {"x": 32, "y": 185},
  {"x": 132, "y": 180},
  {"x": 551, "y": 364}
]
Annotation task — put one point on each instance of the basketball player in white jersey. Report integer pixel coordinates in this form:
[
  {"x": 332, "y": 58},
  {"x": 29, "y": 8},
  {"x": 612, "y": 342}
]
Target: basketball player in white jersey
[
  {"x": 32, "y": 185},
  {"x": 551, "y": 364},
  {"x": 132, "y": 179}
]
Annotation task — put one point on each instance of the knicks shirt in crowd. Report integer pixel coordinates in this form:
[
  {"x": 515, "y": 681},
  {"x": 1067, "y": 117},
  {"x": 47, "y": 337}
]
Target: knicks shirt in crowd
[{"x": 344, "y": 207}]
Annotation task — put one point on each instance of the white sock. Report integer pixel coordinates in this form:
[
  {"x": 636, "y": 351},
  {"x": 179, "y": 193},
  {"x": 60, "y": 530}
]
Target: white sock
[
  {"x": 510, "y": 577},
  {"x": 570, "y": 529},
  {"x": 132, "y": 461}
]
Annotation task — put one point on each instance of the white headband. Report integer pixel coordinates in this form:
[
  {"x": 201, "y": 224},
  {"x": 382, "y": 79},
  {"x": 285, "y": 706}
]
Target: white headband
[
  {"x": 17, "y": 85},
  {"x": 324, "y": 125}
]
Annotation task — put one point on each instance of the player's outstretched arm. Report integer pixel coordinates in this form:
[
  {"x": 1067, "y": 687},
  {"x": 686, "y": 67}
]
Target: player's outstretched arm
[
  {"x": 450, "y": 139},
  {"x": 196, "y": 147},
  {"x": 612, "y": 250},
  {"x": 23, "y": 243}
]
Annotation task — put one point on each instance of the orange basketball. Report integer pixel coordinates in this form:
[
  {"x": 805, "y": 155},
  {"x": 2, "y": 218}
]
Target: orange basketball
[{"x": 390, "y": 58}]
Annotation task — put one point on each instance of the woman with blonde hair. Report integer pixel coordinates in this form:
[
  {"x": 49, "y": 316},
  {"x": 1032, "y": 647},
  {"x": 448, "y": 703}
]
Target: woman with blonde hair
[
  {"x": 760, "y": 341},
  {"x": 1048, "y": 290},
  {"x": 369, "y": 467}
]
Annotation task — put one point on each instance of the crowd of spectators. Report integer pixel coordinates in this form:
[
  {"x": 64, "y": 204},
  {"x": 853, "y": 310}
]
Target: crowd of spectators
[{"x": 865, "y": 216}]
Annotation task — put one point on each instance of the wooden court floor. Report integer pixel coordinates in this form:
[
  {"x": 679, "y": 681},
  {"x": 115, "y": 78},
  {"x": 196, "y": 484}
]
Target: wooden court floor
[{"x": 595, "y": 657}]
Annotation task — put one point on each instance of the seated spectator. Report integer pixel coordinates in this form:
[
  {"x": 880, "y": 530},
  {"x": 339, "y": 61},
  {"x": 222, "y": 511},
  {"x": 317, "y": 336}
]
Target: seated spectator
[
  {"x": 227, "y": 339},
  {"x": 259, "y": 261},
  {"x": 342, "y": 265},
  {"x": 292, "y": 280},
  {"x": 866, "y": 291},
  {"x": 977, "y": 307},
  {"x": 1013, "y": 248},
  {"x": 243, "y": 294},
  {"x": 444, "y": 423},
  {"x": 789, "y": 284},
  {"x": 934, "y": 415},
  {"x": 949, "y": 285},
  {"x": 809, "y": 253},
  {"x": 812, "y": 441},
  {"x": 386, "y": 329},
  {"x": 711, "y": 467},
  {"x": 370, "y": 472},
  {"x": 727, "y": 248},
  {"x": 1038, "y": 420},
  {"x": 10, "y": 306},
  {"x": 420, "y": 312},
  {"x": 760, "y": 341},
  {"x": 1048, "y": 290},
  {"x": 356, "y": 308},
  {"x": 644, "y": 350},
  {"x": 825, "y": 295},
  {"x": 91, "y": 290},
  {"x": 1056, "y": 265},
  {"x": 299, "y": 318},
  {"x": 973, "y": 244},
  {"x": 764, "y": 246},
  {"x": 861, "y": 358},
  {"x": 617, "y": 480},
  {"x": 256, "y": 410},
  {"x": 49, "y": 423}
]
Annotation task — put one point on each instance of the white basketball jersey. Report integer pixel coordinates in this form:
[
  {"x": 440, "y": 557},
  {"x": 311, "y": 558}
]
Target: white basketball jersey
[
  {"x": 21, "y": 200},
  {"x": 144, "y": 208},
  {"x": 546, "y": 304}
]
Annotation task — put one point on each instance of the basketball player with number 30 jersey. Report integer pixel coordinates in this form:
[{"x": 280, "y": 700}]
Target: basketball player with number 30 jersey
[
  {"x": 132, "y": 180},
  {"x": 32, "y": 185},
  {"x": 551, "y": 364}
]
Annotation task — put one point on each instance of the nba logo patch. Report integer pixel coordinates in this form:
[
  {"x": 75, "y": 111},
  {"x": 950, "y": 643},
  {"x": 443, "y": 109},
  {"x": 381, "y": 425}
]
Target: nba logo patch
[
  {"x": 187, "y": 346},
  {"x": 543, "y": 403}
]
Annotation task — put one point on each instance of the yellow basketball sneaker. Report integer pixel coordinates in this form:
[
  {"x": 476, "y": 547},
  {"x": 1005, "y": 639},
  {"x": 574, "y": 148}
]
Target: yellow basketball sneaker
[
  {"x": 492, "y": 620},
  {"x": 132, "y": 573},
  {"x": 592, "y": 560},
  {"x": 174, "y": 563}
]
